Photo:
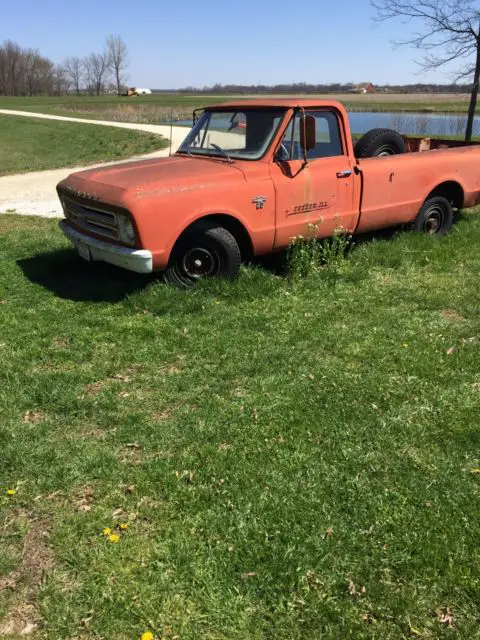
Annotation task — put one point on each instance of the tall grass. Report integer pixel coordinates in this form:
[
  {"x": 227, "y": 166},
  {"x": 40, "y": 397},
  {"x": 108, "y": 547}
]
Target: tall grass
[
  {"x": 398, "y": 122},
  {"x": 306, "y": 255},
  {"x": 141, "y": 113},
  {"x": 453, "y": 125}
]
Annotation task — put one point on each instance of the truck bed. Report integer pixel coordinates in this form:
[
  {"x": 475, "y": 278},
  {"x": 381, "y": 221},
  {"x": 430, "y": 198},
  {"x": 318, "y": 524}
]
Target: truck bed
[
  {"x": 395, "y": 187},
  {"x": 414, "y": 143}
]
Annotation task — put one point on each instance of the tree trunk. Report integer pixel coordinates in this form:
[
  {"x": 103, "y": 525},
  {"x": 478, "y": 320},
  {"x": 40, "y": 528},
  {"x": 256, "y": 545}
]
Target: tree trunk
[{"x": 473, "y": 96}]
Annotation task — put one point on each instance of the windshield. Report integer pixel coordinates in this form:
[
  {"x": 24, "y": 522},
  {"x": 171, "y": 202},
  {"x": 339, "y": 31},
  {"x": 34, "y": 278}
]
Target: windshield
[{"x": 233, "y": 134}]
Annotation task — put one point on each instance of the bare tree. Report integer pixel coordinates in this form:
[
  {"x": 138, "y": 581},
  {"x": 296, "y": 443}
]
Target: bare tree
[
  {"x": 74, "y": 69},
  {"x": 60, "y": 80},
  {"x": 27, "y": 72},
  {"x": 450, "y": 32},
  {"x": 96, "y": 67},
  {"x": 34, "y": 71},
  {"x": 45, "y": 76},
  {"x": 117, "y": 58},
  {"x": 3, "y": 72},
  {"x": 14, "y": 63}
]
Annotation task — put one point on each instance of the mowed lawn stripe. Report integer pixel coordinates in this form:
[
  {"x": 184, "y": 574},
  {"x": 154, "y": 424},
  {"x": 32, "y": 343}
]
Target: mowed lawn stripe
[{"x": 35, "y": 145}]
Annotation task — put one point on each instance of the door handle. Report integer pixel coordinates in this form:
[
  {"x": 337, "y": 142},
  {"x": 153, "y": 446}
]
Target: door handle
[{"x": 344, "y": 174}]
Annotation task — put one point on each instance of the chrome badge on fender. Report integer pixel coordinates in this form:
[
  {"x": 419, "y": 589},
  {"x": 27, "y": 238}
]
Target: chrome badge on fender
[{"x": 259, "y": 201}]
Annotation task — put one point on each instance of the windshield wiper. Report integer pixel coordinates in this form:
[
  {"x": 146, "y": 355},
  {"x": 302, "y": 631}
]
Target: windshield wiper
[
  {"x": 222, "y": 151},
  {"x": 187, "y": 151}
]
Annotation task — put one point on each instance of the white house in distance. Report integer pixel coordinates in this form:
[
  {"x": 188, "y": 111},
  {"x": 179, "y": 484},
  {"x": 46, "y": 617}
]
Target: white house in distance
[{"x": 142, "y": 92}]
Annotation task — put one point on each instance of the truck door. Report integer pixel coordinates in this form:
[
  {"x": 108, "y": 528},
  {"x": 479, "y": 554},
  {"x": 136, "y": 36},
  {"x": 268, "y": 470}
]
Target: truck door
[{"x": 321, "y": 193}]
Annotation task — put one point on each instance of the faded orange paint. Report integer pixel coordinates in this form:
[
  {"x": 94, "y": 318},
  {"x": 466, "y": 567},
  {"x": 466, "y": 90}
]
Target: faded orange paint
[{"x": 165, "y": 196}]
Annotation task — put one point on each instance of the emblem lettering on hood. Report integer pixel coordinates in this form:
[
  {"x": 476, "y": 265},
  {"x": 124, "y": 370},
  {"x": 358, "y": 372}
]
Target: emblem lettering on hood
[
  {"x": 259, "y": 201},
  {"x": 81, "y": 194}
]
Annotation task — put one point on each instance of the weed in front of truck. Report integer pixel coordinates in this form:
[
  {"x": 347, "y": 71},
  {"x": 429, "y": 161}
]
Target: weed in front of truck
[{"x": 307, "y": 255}]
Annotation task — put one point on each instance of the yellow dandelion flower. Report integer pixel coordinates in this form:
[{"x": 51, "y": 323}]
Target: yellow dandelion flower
[
  {"x": 124, "y": 526},
  {"x": 11, "y": 492},
  {"x": 114, "y": 537},
  {"x": 147, "y": 635},
  {"x": 107, "y": 531}
]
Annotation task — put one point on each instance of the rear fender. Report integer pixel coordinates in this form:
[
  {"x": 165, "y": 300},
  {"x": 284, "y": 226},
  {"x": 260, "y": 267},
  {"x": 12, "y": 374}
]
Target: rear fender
[{"x": 454, "y": 192}]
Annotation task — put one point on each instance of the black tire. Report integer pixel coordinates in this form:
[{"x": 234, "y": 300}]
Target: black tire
[
  {"x": 205, "y": 250},
  {"x": 435, "y": 217},
  {"x": 379, "y": 142}
]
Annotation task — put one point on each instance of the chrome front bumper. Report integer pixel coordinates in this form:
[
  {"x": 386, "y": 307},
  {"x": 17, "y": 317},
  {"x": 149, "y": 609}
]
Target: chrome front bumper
[{"x": 138, "y": 260}]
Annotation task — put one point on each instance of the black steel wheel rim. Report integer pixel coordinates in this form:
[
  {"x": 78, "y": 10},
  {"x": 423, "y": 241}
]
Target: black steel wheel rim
[
  {"x": 199, "y": 262},
  {"x": 385, "y": 150},
  {"x": 434, "y": 219}
]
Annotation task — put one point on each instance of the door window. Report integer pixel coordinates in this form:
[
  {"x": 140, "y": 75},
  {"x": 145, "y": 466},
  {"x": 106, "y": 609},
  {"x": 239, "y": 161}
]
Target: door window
[{"x": 328, "y": 144}]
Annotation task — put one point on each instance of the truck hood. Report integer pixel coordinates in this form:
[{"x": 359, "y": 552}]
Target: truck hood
[{"x": 157, "y": 176}]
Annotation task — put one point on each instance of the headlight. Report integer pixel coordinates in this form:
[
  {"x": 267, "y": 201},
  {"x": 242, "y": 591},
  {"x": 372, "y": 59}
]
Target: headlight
[{"x": 127, "y": 230}]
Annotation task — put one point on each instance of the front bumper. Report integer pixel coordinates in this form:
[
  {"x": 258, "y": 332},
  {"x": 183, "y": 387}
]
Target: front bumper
[{"x": 138, "y": 260}]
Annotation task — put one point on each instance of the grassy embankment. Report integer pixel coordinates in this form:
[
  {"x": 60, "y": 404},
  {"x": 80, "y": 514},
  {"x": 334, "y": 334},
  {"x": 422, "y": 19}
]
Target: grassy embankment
[
  {"x": 159, "y": 107},
  {"x": 292, "y": 459},
  {"x": 33, "y": 144}
]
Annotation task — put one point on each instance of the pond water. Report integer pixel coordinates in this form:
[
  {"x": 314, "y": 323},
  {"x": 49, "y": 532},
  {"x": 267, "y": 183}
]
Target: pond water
[
  {"x": 407, "y": 123},
  {"x": 412, "y": 123}
]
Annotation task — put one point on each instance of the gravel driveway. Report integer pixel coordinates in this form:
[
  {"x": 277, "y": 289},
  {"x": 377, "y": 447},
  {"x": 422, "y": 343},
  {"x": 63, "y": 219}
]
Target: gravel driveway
[{"x": 34, "y": 193}]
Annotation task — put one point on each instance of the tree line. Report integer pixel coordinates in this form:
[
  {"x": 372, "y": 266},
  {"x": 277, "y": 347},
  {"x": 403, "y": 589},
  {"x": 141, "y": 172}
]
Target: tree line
[
  {"x": 25, "y": 72},
  {"x": 334, "y": 87}
]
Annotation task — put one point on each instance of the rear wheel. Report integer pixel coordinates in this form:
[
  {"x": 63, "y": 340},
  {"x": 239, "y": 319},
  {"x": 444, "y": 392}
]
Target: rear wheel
[
  {"x": 435, "y": 217},
  {"x": 206, "y": 250}
]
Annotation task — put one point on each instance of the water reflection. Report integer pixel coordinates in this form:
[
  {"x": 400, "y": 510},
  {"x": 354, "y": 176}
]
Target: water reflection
[
  {"x": 408, "y": 123},
  {"x": 413, "y": 123}
]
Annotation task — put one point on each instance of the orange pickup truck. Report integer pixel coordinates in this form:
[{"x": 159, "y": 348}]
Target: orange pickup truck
[{"x": 252, "y": 175}]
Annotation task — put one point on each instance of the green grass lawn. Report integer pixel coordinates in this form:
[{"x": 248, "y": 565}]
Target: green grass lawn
[
  {"x": 34, "y": 145},
  {"x": 293, "y": 459}
]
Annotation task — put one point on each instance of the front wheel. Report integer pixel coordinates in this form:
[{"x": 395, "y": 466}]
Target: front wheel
[
  {"x": 435, "y": 217},
  {"x": 205, "y": 250}
]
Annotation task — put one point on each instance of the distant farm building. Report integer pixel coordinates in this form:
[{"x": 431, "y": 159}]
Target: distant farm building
[
  {"x": 364, "y": 87},
  {"x": 136, "y": 91}
]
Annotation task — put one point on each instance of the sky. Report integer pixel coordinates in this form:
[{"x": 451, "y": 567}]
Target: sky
[{"x": 202, "y": 42}]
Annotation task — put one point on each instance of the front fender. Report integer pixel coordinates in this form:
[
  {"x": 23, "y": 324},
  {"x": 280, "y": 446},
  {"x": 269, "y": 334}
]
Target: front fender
[{"x": 160, "y": 224}]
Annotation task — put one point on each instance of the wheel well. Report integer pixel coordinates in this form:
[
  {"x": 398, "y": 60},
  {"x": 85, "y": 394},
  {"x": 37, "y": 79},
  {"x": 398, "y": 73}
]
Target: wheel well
[
  {"x": 452, "y": 191},
  {"x": 235, "y": 227}
]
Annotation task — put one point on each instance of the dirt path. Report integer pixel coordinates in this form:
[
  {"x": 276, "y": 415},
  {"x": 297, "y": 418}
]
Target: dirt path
[{"x": 34, "y": 193}]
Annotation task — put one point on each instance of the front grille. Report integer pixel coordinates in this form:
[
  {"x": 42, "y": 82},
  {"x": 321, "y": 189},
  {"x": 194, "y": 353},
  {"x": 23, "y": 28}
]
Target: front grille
[{"x": 102, "y": 223}]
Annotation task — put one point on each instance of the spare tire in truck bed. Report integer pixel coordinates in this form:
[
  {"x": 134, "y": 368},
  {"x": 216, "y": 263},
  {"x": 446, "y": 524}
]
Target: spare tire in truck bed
[{"x": 379, "y": 142}]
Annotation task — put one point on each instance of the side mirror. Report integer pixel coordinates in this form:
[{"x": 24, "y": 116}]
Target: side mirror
[
  {"x": 196, "y": 115},
  {"x": 308, "y": 133}
]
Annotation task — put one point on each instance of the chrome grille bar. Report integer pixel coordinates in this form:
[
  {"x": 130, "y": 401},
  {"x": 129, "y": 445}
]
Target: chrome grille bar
[{"x": 103, "y": 223}]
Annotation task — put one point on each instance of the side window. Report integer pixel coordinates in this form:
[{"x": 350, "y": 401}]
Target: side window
[{"x": 329, "y": 142}]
